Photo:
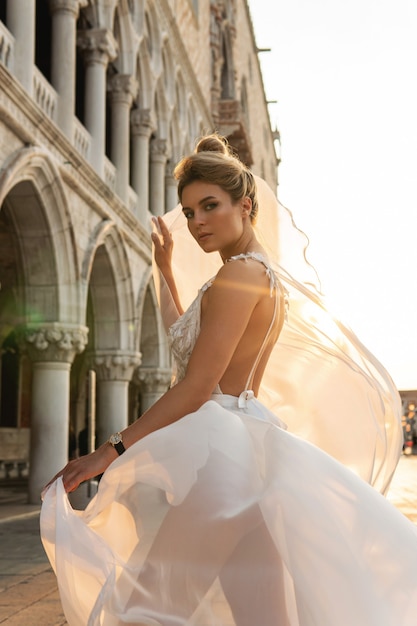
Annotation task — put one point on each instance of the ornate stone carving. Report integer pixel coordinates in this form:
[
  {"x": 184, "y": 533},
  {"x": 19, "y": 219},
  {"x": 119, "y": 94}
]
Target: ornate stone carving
[
  {"x": 159, "y": 149},
  {"x": 123, "y": 88},
  {"x": 54, "y": 341},
  {"x": 153, "y": 379},
  {"x": 115, "y": 364},
  {"x": 98, "y": 45},
  {"x": 142, "y": 122}
]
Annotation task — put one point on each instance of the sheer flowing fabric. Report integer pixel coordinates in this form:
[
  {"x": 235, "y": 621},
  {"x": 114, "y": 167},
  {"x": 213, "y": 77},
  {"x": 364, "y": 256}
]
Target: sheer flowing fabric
[
  {"x": 320, "y": 378},
  {"x": 226, "y": 519}
]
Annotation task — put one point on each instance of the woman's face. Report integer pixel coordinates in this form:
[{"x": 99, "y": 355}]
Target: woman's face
[{"x": 215, "y": 222}]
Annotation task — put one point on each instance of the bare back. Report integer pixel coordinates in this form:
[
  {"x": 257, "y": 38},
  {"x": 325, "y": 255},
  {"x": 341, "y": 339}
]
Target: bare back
[{"x": 250, "y": 357}]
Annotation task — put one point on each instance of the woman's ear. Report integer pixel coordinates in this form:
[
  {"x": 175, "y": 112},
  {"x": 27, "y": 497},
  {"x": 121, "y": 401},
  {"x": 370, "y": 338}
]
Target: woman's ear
[{"x": 246, "y": 204}]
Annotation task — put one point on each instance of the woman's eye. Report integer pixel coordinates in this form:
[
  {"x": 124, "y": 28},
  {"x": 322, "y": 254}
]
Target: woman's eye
[
  {"x": 188, "y": 214},
  {"x": 211, "y": 206}
]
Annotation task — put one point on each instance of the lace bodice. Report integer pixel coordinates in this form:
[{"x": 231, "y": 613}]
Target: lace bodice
[{"x": 184, "y": 331}]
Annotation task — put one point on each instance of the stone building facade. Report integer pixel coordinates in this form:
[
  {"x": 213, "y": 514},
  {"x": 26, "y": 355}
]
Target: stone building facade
[{"x": 98, "y": 100}]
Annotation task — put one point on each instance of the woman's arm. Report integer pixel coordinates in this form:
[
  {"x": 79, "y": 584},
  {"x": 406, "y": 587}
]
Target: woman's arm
[{"x": 230, "y": 303}]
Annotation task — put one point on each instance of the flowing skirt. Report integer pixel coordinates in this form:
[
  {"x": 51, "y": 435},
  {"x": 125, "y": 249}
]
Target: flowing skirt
[{"x": 225, "y": 518}]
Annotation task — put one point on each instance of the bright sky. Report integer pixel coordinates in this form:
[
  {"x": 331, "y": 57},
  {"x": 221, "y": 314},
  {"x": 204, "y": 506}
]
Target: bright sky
[{"x": 345, "y": 77}]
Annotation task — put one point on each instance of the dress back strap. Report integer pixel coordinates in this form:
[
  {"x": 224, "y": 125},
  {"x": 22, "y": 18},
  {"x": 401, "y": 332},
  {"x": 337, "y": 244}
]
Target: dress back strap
[
  {"x": 275, "y": 290},
  {"x": 249, "y": 382}
]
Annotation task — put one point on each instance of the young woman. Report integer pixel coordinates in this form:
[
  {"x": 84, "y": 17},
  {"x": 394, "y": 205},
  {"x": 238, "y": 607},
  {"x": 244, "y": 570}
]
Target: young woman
[{"x": 210, "y": 512}]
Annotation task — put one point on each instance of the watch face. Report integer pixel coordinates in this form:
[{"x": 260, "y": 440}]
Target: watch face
[{"x": 115, "y": 439}]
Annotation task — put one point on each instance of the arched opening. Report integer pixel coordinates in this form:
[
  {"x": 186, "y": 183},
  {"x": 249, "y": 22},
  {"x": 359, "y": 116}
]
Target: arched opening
[
  {"x": 103, "y": 322},
  {"x": 149, "y": 349},
  {"x": 9, "y": 385},
  {"x": 103, "y": 302},
  {"x": 110, "y": 351},
  {"x": 149, "y": 344},
  {"x": 227, "y": 75},
  {"x": 37, "y": 280},
  {"x": 39, "y": 326},
  {"x": 153, "y": 376},
  {"x": 28, "y": 295}
]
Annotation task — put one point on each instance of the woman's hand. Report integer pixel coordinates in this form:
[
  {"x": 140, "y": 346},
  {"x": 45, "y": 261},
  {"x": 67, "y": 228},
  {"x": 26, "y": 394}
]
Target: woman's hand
[
  {"x": 163, "y": 245},
  {"x": 85, "y": 467}
]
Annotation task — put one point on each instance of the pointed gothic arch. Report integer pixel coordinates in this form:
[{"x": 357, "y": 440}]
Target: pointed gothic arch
[
  {"x": 108, "y": 290},
  {"x": 126, "y": 38},
  {"x": 33, "y": 196},
  {"x": 145, "y": 97}
]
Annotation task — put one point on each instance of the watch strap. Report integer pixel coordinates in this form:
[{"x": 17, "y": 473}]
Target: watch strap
[
  {"x": 119, "y": 447},
  {"x": 116, "y": 441}
]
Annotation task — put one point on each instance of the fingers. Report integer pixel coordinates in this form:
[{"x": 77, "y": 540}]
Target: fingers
[
  {"x": 155, "y": 222},
  {"x": 58, "y": 475},
  {"x": 156, "y": 241},
  {"x": 162, "y": 230},
  {"x": 45, "y": 489},
  {"x": 163, "y": 244},
  {"x": 52, "y": 480},
  {"x": 84, "y": 468},
  {"x": 78, "y": 471},
  {"x": 67, "y": 479},
  {"x": 160, "y": 227},
  {"x": 70, "y": 477}
]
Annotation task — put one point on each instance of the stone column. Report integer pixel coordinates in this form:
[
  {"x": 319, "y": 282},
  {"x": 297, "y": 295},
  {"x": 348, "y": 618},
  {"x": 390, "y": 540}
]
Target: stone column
[
  {"x": 63, "y": 56},
  {"x": 123, "y": 90},
  {"x": 171, "y": 188},
  {"x": 141, "y": 128},
  {"x": 154, "y": 382},
  {"x": 21, "y": 23},
  {"x": 52, "y": 348},
  {"x": 157, "y": 182},
  {"x": 99, "y": 48},
  {"x": 114, "y": 369}
]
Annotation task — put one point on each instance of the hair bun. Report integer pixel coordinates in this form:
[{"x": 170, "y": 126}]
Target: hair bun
[{"x": 213, "y": 143}]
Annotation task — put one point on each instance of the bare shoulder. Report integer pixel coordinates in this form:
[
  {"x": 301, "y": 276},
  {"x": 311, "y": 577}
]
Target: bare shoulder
[{"x": 240, "y": 272}]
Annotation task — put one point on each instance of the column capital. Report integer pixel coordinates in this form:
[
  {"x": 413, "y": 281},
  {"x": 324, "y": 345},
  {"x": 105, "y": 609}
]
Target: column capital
[
  {"x": 115, "y": 364},
  {"x": 67, "y": 6},
  {"x": 153, "y": 379},
  {"x": 142, "y": 122},
  {"x": 54, "y": 341},
  {"x": 98, "y": 45},
  {"x": 159, "y": 150},
  {"x": 169, "y": 173},
  {"x": 123, "y": 88}
]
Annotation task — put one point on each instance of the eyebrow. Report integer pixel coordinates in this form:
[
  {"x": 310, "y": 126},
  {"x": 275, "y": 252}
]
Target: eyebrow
[{"x": 200, "y": 202}]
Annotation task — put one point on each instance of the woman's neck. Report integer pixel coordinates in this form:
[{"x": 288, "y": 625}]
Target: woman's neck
[
  {"x": 243, "y": 246},
  {"x": 247, "y": 242}
]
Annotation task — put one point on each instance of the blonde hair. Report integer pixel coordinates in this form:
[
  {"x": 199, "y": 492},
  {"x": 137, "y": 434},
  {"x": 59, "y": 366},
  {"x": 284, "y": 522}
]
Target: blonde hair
[{"x": 213, "y": 161}]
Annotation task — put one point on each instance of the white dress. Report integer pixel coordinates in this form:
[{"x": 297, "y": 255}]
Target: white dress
[{"x": 226, "y": 518}]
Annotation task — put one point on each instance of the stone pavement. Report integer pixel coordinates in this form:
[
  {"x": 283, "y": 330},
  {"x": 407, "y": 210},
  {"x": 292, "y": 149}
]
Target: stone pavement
[
  {"x": 28, "y": 591},
  {"x": 403, "y": 490}
]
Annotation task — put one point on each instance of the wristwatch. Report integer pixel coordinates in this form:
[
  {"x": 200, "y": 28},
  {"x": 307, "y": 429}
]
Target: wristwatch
[{"x": 116, "y": 441}]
